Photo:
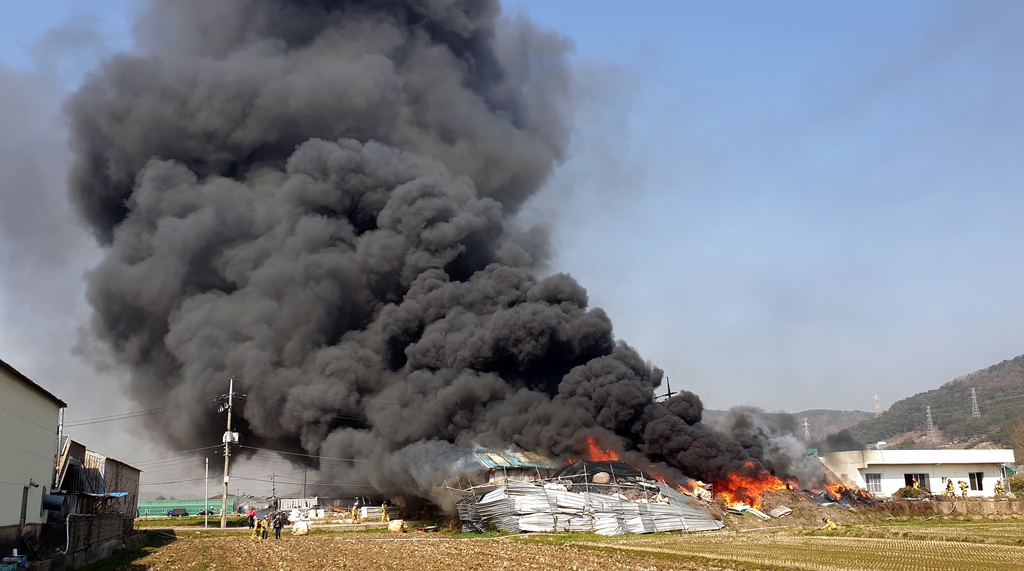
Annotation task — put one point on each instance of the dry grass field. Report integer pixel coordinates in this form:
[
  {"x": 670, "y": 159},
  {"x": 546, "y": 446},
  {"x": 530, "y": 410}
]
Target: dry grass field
[{"x": 882, "y": 546}]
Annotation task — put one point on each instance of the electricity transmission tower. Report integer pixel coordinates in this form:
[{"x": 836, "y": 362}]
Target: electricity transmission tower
[
  {"x": 931, "y": 425},
  {"x": 878, "y": 407},
  {"x": 975, "y": 411},
  {"x": 807, "y": 431}
]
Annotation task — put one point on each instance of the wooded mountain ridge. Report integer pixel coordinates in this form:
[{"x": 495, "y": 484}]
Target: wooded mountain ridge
[{"x": 1000, "y": 394}]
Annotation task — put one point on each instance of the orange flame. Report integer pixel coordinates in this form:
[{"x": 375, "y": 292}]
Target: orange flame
[
  {"x": 738, "y": 488},
  {"x": 688, "y": 486},
  {"x": 836, "y": 489},
  {"x": 596, "y": 453}
]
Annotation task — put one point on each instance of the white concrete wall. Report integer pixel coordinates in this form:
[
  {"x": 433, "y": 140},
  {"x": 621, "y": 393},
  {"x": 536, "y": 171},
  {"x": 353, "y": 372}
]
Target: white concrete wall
[
  {"x": 937, "y": 464},
  {"x": 28, "y": 441},
  {"x": 893, "y": 476}
]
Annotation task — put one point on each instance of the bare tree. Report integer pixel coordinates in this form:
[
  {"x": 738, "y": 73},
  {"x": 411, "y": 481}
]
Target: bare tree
[{"x": 1017, "y": 438}]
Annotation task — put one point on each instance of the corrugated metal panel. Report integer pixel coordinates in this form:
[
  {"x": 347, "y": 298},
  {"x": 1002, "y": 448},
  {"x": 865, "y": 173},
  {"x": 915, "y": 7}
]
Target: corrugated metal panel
[
  {"x": 495, "y": 459},
  {"x": 549, "y": 506}
]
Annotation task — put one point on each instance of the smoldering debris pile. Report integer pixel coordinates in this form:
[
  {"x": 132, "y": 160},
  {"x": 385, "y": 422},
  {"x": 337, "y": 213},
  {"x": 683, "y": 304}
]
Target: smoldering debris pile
[
  {"x": 841, "y": 495},
  {"x": 580, "y": 503}
]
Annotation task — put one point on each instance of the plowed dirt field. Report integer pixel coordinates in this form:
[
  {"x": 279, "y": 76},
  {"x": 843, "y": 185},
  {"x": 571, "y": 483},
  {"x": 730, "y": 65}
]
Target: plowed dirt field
[
  {"x": 362, "y": 551},
  {"x": 929, "y": 546}
]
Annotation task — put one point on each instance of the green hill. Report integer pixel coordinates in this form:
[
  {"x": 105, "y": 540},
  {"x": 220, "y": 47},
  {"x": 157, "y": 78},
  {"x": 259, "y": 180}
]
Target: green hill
[{"x": 1000, "y": 391}]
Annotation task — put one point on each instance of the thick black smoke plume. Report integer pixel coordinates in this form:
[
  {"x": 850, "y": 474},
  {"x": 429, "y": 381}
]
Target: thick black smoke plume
[{"x": 316, "y": 197}]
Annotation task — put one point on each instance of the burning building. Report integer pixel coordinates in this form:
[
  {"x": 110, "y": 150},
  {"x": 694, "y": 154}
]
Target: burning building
[
  {"x": 320, "y": 199},
  {"x": 516, "y": 465}
]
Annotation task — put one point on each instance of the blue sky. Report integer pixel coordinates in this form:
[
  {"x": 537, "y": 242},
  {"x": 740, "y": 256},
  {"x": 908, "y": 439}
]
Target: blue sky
[{"x": 791, "y": 205}]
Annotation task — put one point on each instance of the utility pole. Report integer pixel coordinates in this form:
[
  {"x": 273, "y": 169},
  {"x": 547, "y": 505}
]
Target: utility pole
[
  {"x": 273, "y": 486},
  {"x": 303, "y": 484},
  {"x": 807, "y": 431},
  {"x": 931, "y": 426},
  {"x": 206, "y": 498},
  {"x": 668, "y": 388},
  {"x": 975, "y": 411},
  {"x": 227, "y": 402},
  {"x": 878, "y": 407}
]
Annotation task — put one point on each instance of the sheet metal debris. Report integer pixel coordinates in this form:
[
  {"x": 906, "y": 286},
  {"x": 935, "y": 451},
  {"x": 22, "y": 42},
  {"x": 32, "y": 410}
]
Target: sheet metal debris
[
  {"x": 577, "y": 504},
  {"x": 743, "y": 509},
  {"x": 370, "y": 513},
  {"x": 780, "y": 511},
  {"x": 759, "y": 513}
]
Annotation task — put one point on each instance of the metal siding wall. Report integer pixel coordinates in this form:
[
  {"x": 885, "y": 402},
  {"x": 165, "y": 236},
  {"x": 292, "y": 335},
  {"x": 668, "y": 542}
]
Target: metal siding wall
[{"x": 28, "y": 441}]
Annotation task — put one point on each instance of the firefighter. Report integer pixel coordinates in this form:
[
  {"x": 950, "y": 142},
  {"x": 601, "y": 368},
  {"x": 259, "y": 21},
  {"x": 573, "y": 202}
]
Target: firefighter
[
  {"x": 949, "y": 489},
  {"x": 384, "y": 512},
  {"x": 257, "y": 530},
  {"x": 265, "y": 526},
  {"x": 999, "y": 489},
  {"x": 963, "y": 488},
  {"x": 828, "y": 525},
  {"x": 915, "y": 484},
  {"x": 355, "y": 511}
]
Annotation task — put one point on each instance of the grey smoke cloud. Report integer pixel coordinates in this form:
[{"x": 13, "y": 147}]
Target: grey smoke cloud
[{"x": 319, "y": 198}]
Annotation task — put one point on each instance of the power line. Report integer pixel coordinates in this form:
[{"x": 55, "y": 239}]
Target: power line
[
  {"x": 250, "y": 479},
  {"x": 127, "y": 415},
  {"x": 267, "y": 480},
  {"x": 335, "y": 415},
  {"x": 170, "y": 482},
  {"x": 1003, "y": 399},
  {"x": 172, "y": 455},
  {"x": 306, "y": 455},
  {"x": 297, "y": 390}
]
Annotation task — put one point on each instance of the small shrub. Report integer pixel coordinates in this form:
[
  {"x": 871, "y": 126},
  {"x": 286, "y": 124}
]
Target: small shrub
[
  {"x": 1016, "y": 484},
  {"x": 907, "y": 492}
]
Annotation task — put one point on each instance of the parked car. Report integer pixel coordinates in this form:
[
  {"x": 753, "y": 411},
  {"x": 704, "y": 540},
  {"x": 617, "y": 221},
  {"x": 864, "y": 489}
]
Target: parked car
[
  {"x": 177, "y": 512},
  {"x": 206, "y": 512}
]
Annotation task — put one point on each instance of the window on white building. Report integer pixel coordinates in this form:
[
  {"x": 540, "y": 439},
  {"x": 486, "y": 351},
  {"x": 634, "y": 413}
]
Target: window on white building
[
  {"x": 922, "y": 480},
  {"x": 975, "y": 478},
  {"x": 874, "y": 482}
]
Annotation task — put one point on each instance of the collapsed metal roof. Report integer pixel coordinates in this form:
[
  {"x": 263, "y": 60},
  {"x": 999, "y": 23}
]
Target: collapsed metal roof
[{"x": 558, "y": 504}]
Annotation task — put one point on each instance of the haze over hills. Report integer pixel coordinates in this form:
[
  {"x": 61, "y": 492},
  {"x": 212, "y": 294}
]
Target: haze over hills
[
  {"x": 822, "y": 422},
  {"x": 1000, "y": 393}
]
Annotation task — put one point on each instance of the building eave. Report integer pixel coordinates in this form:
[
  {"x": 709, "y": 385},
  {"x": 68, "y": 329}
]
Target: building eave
[{"x": 18, "y": 375}]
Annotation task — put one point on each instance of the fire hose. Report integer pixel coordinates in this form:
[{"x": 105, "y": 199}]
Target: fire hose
[{"x": 952, "y": 508}]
